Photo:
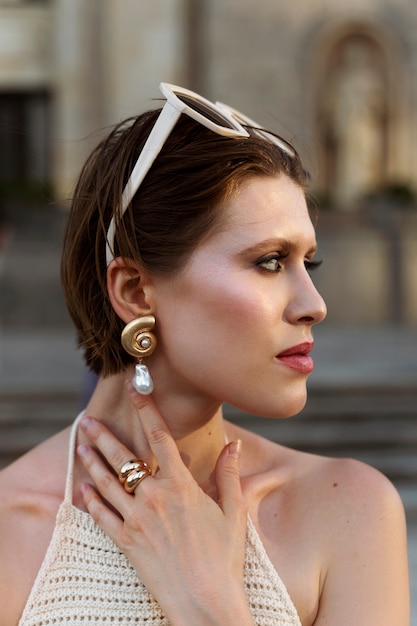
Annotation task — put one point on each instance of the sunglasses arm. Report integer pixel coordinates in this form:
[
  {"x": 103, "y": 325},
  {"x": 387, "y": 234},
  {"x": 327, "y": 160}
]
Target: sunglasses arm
[{"x": 153, "y": 146}]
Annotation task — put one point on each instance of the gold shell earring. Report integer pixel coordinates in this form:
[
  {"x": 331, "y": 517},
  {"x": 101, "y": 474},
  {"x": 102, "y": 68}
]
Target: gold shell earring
[{"x": 138, "y": 341}]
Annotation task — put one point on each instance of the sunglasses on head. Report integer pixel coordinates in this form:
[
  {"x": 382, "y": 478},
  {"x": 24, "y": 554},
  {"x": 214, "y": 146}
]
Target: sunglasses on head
[{"x": 218, "y": 117}]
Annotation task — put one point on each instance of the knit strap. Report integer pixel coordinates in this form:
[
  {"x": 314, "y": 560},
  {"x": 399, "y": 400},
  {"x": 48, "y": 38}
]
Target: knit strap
[{"x": 71, "y": 459}]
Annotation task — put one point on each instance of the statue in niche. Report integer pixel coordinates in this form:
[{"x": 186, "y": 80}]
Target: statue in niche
[{"x": 356, "y": 110}]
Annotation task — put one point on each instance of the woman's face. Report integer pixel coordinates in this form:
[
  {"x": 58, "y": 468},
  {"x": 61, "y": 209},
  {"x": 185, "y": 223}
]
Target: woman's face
[{"x": 236, "y": 323}]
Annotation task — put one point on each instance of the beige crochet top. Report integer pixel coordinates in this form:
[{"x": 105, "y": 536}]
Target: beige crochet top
[{"x": 85, "y": 579}]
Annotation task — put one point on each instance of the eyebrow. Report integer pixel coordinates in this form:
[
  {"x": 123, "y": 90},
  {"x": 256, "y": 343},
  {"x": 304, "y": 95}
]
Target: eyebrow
[{"x": 284, "y": 246}]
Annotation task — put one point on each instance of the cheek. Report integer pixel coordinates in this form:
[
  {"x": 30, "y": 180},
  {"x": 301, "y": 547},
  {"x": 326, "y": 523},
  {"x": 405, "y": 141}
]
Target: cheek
[
  {"x": 244, "y": 304},
  {"x": 230, "y": 317}
]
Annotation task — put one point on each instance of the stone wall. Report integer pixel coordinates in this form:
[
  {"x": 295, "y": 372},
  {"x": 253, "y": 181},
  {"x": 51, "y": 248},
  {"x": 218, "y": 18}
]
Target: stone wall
[
  {"x": 103, "y": 59},
  {"x": 368, "y": 273}
]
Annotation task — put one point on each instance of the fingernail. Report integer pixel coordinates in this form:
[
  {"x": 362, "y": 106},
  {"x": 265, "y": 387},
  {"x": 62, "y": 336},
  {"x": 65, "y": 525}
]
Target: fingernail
[
  {"x": 235, "y": 448},
  {"x": 85, "y": 488},
  {"x": 85, "y": 422},
  {"x": 82, "y": 450}
]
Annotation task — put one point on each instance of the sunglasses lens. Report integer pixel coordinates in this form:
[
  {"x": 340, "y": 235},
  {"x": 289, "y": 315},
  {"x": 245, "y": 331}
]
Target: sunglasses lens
[{"x": 208, "y": 112}]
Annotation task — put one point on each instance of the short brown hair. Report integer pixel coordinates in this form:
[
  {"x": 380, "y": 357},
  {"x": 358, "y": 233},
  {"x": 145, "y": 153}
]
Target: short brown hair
[{"x": 177, "y": 205}]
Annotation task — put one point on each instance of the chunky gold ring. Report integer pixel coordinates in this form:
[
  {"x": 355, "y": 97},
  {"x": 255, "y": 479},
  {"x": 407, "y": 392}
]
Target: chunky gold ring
[
  {"x": 130, "y": 466},
  {"x": 134, "y": 478},
  {"x": 132, "y": 473}
]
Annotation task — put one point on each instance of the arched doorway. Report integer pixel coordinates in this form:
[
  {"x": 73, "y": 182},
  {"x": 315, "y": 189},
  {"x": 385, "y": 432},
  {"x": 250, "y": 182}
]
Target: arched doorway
[
  {"x": 353, "y": 120},
  {"x": 357, "y": 110}
]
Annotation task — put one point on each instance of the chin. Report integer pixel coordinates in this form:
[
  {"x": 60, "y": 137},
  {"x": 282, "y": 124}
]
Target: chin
[{"x": 278, "y": 406}]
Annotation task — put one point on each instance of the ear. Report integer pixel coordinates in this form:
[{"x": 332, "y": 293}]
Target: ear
[{"x": 130, "y": 289}]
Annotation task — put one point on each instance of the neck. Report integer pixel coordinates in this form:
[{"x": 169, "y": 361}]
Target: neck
[{"x": 196, "y": 426}]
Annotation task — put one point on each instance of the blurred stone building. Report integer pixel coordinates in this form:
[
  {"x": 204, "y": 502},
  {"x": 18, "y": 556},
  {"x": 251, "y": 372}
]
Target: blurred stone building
[{"x": 337, "y": 78}]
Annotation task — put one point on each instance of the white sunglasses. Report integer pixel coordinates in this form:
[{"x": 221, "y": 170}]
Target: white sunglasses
[
  {"x": 218, "y": 117},
  {"x": 258, "y": 130}
]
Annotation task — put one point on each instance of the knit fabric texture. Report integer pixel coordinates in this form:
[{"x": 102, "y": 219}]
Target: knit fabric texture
[{"x": 85, "y": 579}]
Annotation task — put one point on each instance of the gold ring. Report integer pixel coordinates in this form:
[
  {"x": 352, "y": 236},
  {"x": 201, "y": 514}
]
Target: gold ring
[{"x": 132, "y": 473}]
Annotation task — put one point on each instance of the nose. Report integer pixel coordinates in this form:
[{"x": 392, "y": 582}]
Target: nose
[{"x": 306, "y": 305}]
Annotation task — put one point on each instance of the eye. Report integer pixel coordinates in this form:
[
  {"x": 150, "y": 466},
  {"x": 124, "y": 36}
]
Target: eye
[
  {"x": 272, "y": 262},
  {"x": 312, "y": 265}
]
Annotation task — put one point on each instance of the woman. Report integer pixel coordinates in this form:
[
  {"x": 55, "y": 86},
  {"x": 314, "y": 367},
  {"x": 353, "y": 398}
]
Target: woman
[{"x": 186, "y": 268}]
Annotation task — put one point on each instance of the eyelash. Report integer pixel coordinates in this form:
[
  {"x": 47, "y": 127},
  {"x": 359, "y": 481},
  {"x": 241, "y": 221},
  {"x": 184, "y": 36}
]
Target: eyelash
[
  {"x": 312, "y": 265},
  {"x": 309, "y": 265}
]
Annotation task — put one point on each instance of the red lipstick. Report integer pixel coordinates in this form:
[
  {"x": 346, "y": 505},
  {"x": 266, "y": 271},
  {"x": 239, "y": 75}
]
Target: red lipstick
[{"x": 297, "y": 357}]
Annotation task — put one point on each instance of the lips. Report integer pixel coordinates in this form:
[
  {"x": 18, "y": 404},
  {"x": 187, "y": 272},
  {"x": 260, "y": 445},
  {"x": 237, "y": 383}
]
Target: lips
[
  {"x": 302, "y": 349},
  {"x": 297, "y": 358}
]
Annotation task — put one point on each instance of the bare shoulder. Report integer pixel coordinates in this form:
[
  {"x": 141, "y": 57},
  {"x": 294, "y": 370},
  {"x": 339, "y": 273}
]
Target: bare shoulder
[
  {"x": 336, "y": 492},
  {"x": 343, "y": 521},
  {"x": 366, "y": 571},
  {"x": 345, "y": 503},
  {"x": 354, "y": 483},
  {"x": 31, "y": 490},
  {"x": 345, "y": 482},
  {"x": 353, "y": 494}
]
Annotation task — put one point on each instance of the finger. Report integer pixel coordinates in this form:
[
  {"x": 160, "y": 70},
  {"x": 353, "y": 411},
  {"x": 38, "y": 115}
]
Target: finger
[
  {"x": 157, "y": 433},
  {"x": 115, "y": 453},
  {"x": 101, "y": 514},
  {"x": 105, "y": 481},
  {"x": 229, "y": 488}
]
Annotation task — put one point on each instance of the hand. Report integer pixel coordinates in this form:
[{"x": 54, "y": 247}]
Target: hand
[{"x": 187, "y": 549}]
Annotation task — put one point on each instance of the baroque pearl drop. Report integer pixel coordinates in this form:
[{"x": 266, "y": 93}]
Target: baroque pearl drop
[{"x": 142, "y": 380}]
